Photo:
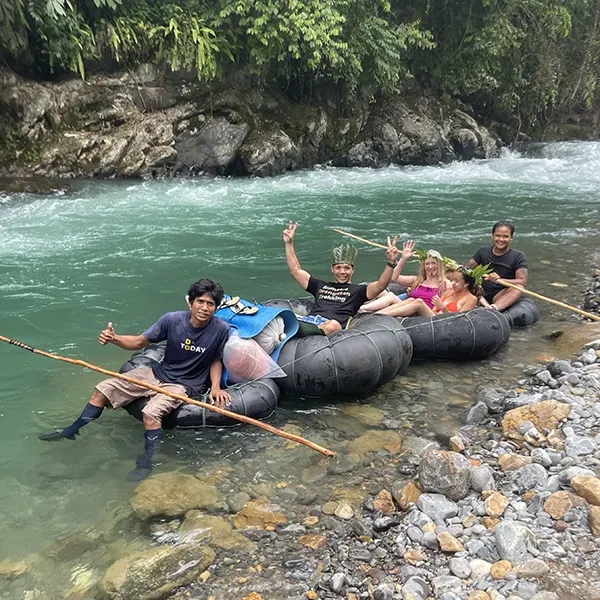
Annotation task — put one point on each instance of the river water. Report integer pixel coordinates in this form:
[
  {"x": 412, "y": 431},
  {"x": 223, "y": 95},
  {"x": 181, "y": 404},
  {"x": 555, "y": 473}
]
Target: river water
[{"x": 126, "y": 252}]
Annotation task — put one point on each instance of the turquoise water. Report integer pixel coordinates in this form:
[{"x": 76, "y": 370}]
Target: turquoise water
[{"x": 126, "y": 252}]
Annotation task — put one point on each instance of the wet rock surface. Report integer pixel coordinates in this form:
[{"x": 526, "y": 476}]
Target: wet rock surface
[
  {"x": 525, "y": 531},
  {"x": 143, "y": 124}
]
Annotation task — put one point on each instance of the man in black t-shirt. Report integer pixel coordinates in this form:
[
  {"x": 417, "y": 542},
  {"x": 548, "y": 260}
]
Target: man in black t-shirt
[
  {"x": 508, "y": 264},
  {"x": 339, "y": 300}
]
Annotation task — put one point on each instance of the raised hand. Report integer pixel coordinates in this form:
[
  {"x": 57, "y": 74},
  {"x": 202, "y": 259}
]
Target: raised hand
[
  {"x": 391, "y": 252},
  {"x": 288, "y": 234},
  {"x": 408, "y": 248},
  {"x": 107, "y": 335}
]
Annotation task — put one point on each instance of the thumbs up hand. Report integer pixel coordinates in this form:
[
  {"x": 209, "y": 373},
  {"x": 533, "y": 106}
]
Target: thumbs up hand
[{"x": 107, "y": 335}]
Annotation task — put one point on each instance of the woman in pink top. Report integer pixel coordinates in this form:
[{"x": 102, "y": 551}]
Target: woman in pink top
[{"x": 431, "y": 281}]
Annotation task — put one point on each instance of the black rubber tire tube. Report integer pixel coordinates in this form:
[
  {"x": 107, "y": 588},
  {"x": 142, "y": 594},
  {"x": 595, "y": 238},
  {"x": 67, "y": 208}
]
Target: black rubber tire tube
[
  {"x": 257, "y": 399},
  {"x": 523, "y": 313},
  {"x": 372, "y": 351},
  {"x": 479, "y": 333}
]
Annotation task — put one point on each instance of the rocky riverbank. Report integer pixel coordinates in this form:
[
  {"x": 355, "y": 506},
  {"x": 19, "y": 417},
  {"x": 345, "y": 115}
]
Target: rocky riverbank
[
  {"x": 511, "y": 511},
  {"x": 591, "y": 299},
  {"x": 145, "y": 124},
  {"x": 506, "y": 507}
]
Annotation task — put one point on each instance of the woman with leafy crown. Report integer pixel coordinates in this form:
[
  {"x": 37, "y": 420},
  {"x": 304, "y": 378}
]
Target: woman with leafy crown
[
  {"x": 463, "y": 296},
  {"x": 429, "y": 282}
]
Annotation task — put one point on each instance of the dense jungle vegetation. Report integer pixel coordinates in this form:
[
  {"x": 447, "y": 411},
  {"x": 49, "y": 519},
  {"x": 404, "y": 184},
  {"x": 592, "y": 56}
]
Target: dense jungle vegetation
[{"x": 521, "y": 58}]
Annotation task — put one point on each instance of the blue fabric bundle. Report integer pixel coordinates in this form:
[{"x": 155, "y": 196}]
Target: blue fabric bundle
[{"x": 247, "y": 326}]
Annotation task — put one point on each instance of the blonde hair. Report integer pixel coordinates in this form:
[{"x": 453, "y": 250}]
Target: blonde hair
[{"x": 422, "y": 276}]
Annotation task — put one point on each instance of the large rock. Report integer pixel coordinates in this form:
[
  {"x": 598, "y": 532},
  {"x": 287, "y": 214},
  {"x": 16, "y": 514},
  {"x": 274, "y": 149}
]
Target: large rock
[
  {"x": 259, "y": 514},
  {"x": 156, "y": 573},
  {"x": 212, "y": 148},
  {"x": 437, "y": 507},
  {"x": 512, "y": 541},
  {"x": 544, "y": 415},
  {"x": 594, "y": 520},
  {"x": 212, "y": 530},
  {"x": 406, "y": 492},
  {"x": 588, "y": 488},
  {"x": 173, "y": 494},
  {"x": 375, "y": 440},
  {"x": 269, "y": 153},
  {"x": 445, "y": 472},
  {"x": 529, "y": 477}
]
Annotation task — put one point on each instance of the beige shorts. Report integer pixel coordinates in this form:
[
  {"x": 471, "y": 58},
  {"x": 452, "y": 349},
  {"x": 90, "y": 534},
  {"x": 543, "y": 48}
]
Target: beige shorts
[{"x": 120, "y": 392}]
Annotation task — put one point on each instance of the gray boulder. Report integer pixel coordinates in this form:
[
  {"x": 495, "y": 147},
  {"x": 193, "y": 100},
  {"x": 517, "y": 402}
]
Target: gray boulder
[
  {"x": 445, "y": 472},
  {"x": 156, "y": 573},
  {"x": 512, "y": 541},
  {"x": 437, "y": 507},
  {"x": 269, "y": 153},
  {"x": 529, "y": 477},
  {"x": 212, "y": 148}
]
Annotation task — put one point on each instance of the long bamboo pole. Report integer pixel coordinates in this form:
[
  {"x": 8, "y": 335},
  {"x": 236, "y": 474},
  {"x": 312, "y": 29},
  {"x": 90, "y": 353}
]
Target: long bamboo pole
[
  {"x": 550, "y": 300},
  {"x": 500, "y": 281},
  {"x": 361, "y": 239},
  {"x": 222, "y": 411}
]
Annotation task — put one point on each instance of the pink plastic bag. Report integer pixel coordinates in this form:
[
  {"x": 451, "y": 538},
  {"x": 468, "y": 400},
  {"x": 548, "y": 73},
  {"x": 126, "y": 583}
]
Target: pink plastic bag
[{"x": 245, "y": 360}]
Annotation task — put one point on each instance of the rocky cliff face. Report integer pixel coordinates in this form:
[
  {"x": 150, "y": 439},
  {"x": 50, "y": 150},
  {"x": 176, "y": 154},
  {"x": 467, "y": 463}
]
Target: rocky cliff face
[{"x": 143, "y": 125}]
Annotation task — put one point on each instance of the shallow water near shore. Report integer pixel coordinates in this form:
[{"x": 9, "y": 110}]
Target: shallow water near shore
[{"x": 126, "y": 252}]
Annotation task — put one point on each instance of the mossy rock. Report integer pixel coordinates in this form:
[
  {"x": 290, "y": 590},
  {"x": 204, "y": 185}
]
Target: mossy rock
[{"x": 156, "y": 573}]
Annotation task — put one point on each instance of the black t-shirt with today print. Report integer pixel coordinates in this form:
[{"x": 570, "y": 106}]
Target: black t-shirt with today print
[
  {"x": 338, "y": 301},
  {"x": 506, "y": 265}
]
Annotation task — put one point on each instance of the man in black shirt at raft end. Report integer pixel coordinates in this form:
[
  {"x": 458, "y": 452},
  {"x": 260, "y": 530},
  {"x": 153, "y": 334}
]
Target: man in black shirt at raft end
[
  {"x": 339, "y": 300},
  {"x": 508, "y": 264}
]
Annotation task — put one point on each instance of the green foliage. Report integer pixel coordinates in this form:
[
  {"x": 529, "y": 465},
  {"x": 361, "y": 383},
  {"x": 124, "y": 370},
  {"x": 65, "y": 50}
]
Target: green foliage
[
  {"x": 13, "y": 33},
  {"x": 351, "y": 41},
  {"x": 521, "y": 58},
  {"x": 185, "y": 43},
  {"x": 511, "y": 54}
]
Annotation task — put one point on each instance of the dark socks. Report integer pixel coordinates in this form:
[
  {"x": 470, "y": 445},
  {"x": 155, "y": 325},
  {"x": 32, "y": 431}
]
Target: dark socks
[
  {"x": 143, "y": 465},
  {"x": 89, "y": 413}
]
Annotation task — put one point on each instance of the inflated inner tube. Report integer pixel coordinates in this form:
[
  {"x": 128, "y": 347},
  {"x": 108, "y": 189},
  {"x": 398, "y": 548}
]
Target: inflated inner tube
[
  {"x": 373, "y": 350},
  {"x": 396, "y": 288},
  {"x": 256, "y": 399},
  {"x": 523, "y": 313},
  {"x": 478, "y": 333}
]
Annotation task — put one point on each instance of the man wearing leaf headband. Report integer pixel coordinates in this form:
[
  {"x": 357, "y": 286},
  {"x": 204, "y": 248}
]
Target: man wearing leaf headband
[
  {"x": 507, "y": 264},
  {"x": 337, "y": 301}
]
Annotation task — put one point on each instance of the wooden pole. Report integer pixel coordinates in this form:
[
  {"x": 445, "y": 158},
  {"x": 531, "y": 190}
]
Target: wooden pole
[
  {"x": 546, "y": 299},
  {"x": 500, "y": 281},
  {"x": 361, "y": 239},
  {"x": 217, "y": 409}
]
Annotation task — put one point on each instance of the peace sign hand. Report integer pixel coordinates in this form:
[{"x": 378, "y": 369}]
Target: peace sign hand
[
  {"x": 288, "y": 234},
  {"x": 391, "y": 252}
]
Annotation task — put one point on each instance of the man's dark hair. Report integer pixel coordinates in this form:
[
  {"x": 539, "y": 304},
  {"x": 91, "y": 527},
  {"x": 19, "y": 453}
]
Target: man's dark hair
[
  {"x": 206, "y": 286},
  {"x": 504, "y": 224}
]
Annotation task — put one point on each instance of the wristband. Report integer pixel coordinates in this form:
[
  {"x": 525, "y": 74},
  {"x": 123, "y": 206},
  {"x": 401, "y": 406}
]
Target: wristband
[{"x": 391, "y": 264}]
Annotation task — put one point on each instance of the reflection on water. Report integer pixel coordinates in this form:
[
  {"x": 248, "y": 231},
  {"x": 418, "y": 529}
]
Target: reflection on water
[{"x": 126, "y": 253}]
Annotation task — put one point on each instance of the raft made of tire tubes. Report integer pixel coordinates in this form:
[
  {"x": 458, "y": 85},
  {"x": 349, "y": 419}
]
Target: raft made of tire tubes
[
  {"x": 256, "y": 399},
  {"x": 479, "y": 333},
  {"x": 370, "y": 352}
]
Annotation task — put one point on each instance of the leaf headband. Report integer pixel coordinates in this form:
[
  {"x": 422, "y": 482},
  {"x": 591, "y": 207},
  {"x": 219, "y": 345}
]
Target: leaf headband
[
  {"x": 421, "y": 255},
  {"x": 478, "y": 272}
]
